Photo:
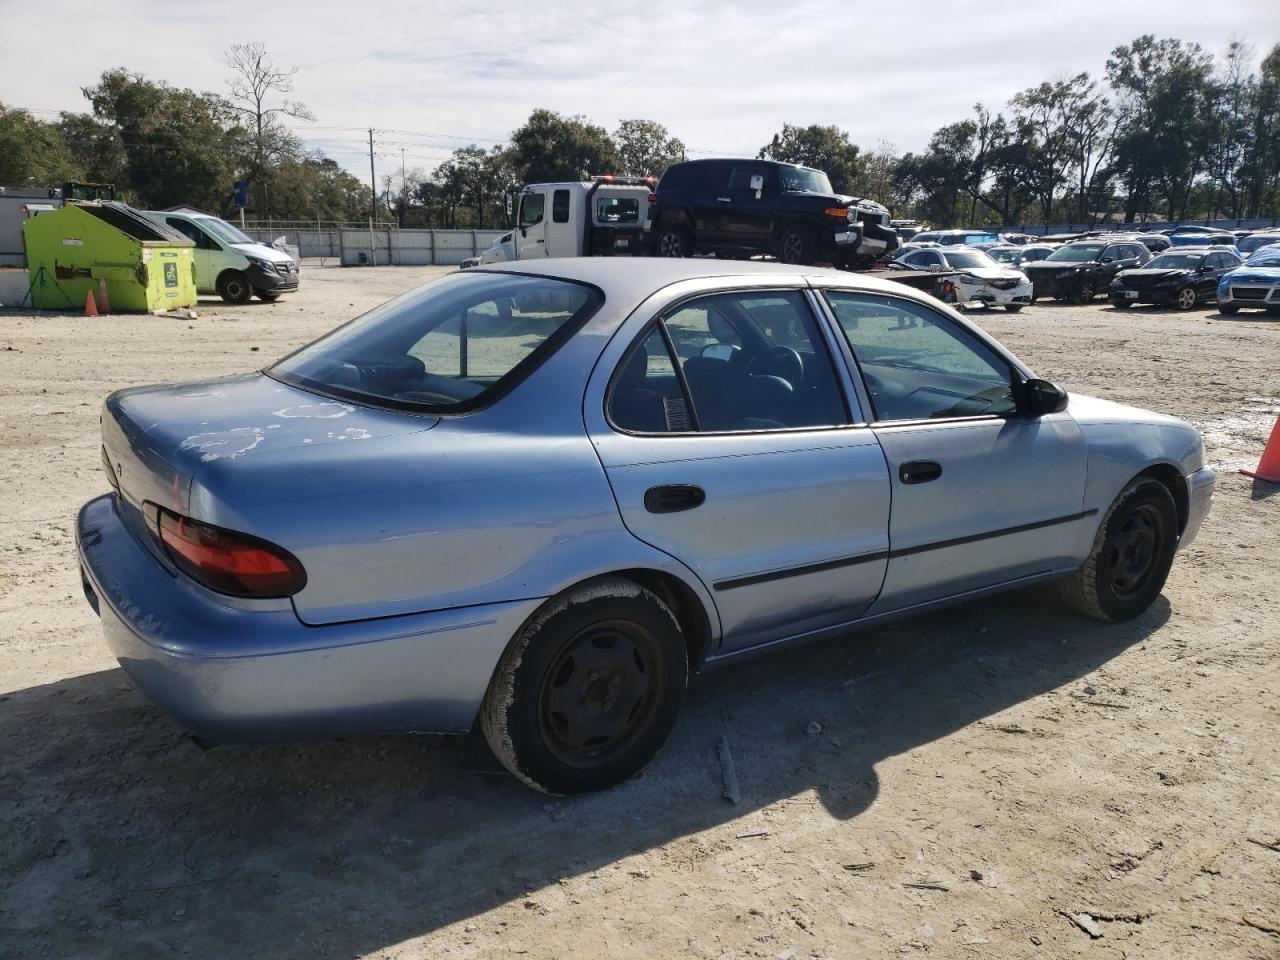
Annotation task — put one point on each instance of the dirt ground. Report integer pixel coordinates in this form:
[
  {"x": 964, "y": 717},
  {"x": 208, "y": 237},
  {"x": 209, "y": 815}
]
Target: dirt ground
[{"x": 1023, "y": 765}]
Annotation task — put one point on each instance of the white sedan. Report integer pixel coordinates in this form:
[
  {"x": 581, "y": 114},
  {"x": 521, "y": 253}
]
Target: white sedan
[{"x": 979, "y": 279}]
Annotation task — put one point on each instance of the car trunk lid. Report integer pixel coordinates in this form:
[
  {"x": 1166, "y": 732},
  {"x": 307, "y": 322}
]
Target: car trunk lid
[{"x": 156, "y": 438}]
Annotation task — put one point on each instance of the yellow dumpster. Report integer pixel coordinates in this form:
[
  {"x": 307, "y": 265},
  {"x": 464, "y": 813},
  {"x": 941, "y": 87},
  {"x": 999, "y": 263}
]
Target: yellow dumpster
[{"x": 71, "y": 251}]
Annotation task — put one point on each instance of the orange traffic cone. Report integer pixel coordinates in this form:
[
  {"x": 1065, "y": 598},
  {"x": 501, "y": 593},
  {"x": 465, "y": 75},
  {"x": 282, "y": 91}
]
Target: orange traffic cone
[
  {"x": 1269, "y": 466},
  {"x": 90, "y": 308}
]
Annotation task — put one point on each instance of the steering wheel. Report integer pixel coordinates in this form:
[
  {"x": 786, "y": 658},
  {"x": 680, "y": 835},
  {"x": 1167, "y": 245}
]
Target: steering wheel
[{"x": 779, "y": 362}]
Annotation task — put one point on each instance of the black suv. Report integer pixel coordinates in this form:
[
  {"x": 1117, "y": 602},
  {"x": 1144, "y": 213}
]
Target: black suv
[
  {"x": 737, "y": 208},
  {"x": 1076, "y": 271}
]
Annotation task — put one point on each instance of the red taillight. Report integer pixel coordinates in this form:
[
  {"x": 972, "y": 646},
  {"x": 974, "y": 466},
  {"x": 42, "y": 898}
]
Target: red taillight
[
  {"x": 653, "y": 198},
  {"x": 229, "y": 562}
]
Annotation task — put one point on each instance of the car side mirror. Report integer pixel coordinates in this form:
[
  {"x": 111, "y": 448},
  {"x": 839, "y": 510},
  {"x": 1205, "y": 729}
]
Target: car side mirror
[
  {"x": 1040, "y": 397},
  {"x": 1106, "y": 259}
]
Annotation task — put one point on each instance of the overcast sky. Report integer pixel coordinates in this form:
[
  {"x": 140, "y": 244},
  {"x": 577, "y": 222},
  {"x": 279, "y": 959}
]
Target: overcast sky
[{"x": 433, "y": 76}]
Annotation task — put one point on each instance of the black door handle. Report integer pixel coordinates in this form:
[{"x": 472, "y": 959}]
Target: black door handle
[
  {"x": 673, "y": 497},
  {"x": 919, "y": 471}
]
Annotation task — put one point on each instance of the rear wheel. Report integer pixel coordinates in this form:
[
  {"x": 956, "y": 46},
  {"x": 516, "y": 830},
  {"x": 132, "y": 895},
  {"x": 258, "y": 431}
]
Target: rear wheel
[
  {"x": 1185, "y": 299},
  {"x": 797, "y": 245},
  {"x": 234, "y": 287},
  {"x": 589, "y": 691},
  {"x": 1131, "y": 555},
  {"x": 673, "y": 242}
]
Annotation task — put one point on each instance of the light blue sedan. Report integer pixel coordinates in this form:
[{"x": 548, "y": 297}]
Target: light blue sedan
[{"x": 542, "y": 496}]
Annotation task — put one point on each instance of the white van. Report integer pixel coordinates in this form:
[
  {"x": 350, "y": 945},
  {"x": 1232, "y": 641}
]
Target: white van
[
  {"x": 228, "y": 263},
  {"x": 602, "y": 217}
]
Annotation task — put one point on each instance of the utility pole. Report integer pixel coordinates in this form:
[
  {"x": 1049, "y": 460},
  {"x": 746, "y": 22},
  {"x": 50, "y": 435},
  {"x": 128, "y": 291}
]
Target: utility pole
[
  {"x": 373, "y": 201},
  {"x": 404, "y": 190}
]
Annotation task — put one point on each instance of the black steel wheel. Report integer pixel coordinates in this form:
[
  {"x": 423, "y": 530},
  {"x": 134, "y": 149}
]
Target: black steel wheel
[
  {"x": 1086, "y": 292},
  {"x": 589, "y": 691},
  {"x": 234, "y": 287},
  {"x": 1185, "y": 299},
  {"x": 1131, "y": 555}
]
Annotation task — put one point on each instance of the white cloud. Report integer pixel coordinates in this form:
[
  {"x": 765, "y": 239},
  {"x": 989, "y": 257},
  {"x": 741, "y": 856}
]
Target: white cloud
[{"x": 722, "y": 77}]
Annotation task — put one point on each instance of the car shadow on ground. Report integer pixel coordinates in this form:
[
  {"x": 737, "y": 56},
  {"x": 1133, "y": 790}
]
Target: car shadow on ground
[{"x": 122, "y": 838}]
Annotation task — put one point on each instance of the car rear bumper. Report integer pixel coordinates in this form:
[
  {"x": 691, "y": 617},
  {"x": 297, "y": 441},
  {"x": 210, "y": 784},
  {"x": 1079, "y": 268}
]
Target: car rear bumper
[
  {"x": 235, "y": 673},
  {"x": 1199, "y": 501}
]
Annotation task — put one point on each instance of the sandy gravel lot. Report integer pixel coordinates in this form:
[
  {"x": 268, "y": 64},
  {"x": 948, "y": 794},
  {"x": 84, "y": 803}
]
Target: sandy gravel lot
[{"x": 1024, "y": 765}]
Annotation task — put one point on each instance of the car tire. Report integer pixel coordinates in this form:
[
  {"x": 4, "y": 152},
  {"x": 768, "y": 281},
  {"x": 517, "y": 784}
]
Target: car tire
[
  {"x": 588, "y": 691},
  {"x": 1131, "y": 555},
  {"x": 1085, "y": 293},
  {"x": 1121, "y": 304},
  {"x": 1186, "y": 299},
  {"x": 673, "y": 241},
  {"x": 234, "y": 287},
  {"x": 269, "y": 297},
  {"x": 1227, "y": 309},
  {"x": 1013, "y": 307},
  {"x": 797, "y": 246}
]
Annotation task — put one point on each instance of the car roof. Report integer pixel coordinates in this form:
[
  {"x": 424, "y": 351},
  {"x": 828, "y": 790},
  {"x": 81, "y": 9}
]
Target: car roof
[{"x": 636, "y": 278}]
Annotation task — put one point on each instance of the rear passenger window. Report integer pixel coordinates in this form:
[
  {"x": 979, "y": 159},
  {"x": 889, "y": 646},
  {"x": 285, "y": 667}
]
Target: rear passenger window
[
  {"x": 560, "y": 206},
  {"x": 747, "y": 361}
]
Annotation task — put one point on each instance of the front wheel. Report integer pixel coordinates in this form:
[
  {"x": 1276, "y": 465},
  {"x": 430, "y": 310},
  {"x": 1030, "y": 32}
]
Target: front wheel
[
  {"x": 1227, "y": 309},
  {"x": 1121, "y": 304},
  {"x": 797, "y": 246},
  {"x": 1131, "y": 555},
  {"x": 1012, "y": 307},
  {"x": 1185, "y": 299},
  {"x": 1085, "y": 293},
  {"x": 234, "y": 287},
  {"x": 589, "y": 690}
]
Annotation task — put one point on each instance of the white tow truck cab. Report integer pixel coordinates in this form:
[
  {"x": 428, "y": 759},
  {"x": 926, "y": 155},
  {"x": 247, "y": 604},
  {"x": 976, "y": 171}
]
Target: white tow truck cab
[{"x": 602, "y": 217}]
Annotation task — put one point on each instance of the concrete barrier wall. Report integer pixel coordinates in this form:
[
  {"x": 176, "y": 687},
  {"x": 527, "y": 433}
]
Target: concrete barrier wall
[{"x": 358, "y": 246}]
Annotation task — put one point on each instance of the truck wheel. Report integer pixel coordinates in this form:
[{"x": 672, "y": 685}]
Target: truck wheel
[
  {"x": 673, "y": 242},
  {"x": 234, "y": 287},
  {"x": 589, "y": 690},
  {"x": 1131, "y": 555},
  {"x": 1186, "y": 299},
  {"x": 798, "y": 246}
]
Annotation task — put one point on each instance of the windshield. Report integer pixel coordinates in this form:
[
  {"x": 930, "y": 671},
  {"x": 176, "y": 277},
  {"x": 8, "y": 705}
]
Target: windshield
[
  {"x": 221, "y": 230},
  {"x": 1266, "y": 258},
  {"x": 968, "y": 259},
  {"x": 1077, "y": 252},
  {"x": 1005, "y": 255},
  {"x": 1174, "y": 261},
  {"x": 449, "y": 346},
  {"x": 804, "y": 180}
]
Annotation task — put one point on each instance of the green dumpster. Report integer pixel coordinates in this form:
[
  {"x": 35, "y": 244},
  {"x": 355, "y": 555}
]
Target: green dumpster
[{"x": 70, "y": 251}]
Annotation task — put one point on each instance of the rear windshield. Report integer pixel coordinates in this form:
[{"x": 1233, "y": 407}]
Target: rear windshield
[
  {"x": 617, "y": 210},
  {"x": 451, "y": 346},
  {"x": 1077, "y": 252}
]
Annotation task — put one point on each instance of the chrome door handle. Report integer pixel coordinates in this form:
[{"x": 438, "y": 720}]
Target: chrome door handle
[
  {"x": 722, "y": 199},
  {"x": 919, "y": 471}
]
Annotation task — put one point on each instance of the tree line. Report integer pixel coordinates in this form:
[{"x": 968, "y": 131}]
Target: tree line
[{"x": 1167, "y": 131}]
